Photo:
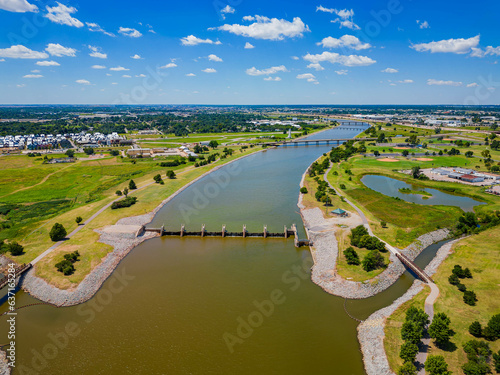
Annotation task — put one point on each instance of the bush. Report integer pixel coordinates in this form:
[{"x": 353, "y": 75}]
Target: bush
[
  {"x": 407, "y": 369},
  {"x": 436, "y": 365},
  {"x": 461, "y": 287},
  {"x": 114, "y": 153},
  {"x": 78, "y": 220},
  {"x": 351, "y": 256},
  {"x": 453, "y": 279},
  {"x": 119, "y": 193},
  {"x": 66, "y": 266},
  {"x": 15, "y": 249},
  {"x": 383, "y": 224},
  {"x": 303, "y": 190},
  {"x": 475, "y": 329},
  {"x": 57, "y": 232},
  {"x": 171, "y": 174},
  {"x": 157, "y": 178},
  {"x": 127, "y": 202},
  {"x": 88, "y": 150},
  {"x": 439, "y": 329},
  {"x": 372, "y": 261},
  {"x": 408, "y": 352},
  {"x": 470, "y": 298},
  {"x": 342, "y": 186},
  {"x": 70, "y": 153},
  {"x": 132, "y": 185}
]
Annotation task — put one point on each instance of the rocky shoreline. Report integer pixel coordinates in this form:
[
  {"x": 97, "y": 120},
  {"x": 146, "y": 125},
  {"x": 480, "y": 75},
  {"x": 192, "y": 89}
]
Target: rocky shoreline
[
  {"x": 371, "y": 332},
  {"x": 40, "y": 289}
]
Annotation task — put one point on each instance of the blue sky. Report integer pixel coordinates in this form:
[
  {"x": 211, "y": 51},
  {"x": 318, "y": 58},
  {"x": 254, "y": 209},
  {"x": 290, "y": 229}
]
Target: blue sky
[{"x": 297, "y": 52}]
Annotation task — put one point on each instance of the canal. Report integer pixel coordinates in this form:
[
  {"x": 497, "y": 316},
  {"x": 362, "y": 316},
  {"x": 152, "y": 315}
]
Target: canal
[{"x": 210, "y": 305}]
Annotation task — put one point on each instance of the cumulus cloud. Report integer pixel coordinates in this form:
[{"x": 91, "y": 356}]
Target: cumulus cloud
[
  {"x": 17, "y": 6},
  {"x": 347, "y": 41},
  {"x": 308, "y": 76},
  {"x": 434, "y": 82},
  {"x": 141, "y": 76},
  {"x": 248, "y": 46},
  {"x": 22, "y": 52},
  {"x": 58, "y": 50},
  {"x": 136, "y": 57},
  {"x": 94, "y": 27},
  {"x": 272, "y": 70},
  {"x": 82, "y": 82},
  {"x": 345, "y": 17},
  {"x": 169, "y": 65},
  {"x": 473, "y": 84},
  {"x": 390, "y": 70},
  {"x": 47, "y": 63},
  {"x": 33, "y": 76},
  {"x": 227, "y": 10},
  {"x": 346, "y": 60},
  {"x": 191, "y": 40},
  {"x": 98, "y": 67},
  {"x": 342, "y": 72},
  {"x": 119, "y": 69},
  {"x": 213, "y": 57},
  {"x": 316, "y": 66},
  {"x": 132, "y": 33},
  {"x": 423, "y": 24},
  {"x": 126, "y": 76},
  {"x": 275, "y": 79},
  {"x": 96, "y": 53},
  {"x": 268, "y": 28},
  {"x": 61, "y": 14},
  {"x": 295, "y": 58},
  {"x": 458, "y": 46},
  {"x": 209, "y": 70},
  {"x": 190, "y": 75},
  {"x": 478, "y": 52}
]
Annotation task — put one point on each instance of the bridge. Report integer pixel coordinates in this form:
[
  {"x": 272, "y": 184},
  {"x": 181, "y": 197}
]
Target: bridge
[
  {"x": 19, "y": 271},
  {"x": 317, "y": 142},
  {"x": 225, "y": 234},
  {"x": 414, "y": 268}
]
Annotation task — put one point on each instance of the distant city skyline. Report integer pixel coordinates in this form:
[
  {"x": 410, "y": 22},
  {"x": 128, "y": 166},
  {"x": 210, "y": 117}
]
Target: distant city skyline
[{"x": 235, "y": 52}]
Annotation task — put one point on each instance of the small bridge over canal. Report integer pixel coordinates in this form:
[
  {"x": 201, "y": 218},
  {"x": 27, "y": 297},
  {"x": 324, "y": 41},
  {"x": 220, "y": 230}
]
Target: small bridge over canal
[
  {"x": 19, "y": 271},
  {"x": 243, "y": 234}
]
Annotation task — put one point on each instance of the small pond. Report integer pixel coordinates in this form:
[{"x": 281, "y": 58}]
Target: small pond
[{"x": 391, "y": 187}]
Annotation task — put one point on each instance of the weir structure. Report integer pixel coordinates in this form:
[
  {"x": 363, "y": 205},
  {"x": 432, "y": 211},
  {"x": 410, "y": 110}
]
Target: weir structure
[
  {"x": 287, "y": 232},
  {"x": 19, "y": 271}
]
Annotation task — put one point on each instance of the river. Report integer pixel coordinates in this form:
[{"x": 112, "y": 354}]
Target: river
[{"x": 213, "y": 305}]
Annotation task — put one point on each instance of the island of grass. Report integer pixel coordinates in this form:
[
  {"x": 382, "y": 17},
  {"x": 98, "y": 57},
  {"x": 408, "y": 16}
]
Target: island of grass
[{"x": 416, "y": 192}]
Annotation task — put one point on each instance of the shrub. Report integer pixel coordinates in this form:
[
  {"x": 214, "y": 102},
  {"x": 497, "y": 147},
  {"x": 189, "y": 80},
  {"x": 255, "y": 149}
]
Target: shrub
[
  {"x": 303, "y": 190},
  {"x": 88, "y": 150},
  {"x": 78, "y": 219},
  {"x": 127, "y": 202},
  {"x": 157, "y": 178},
  {"x": 383, "y": 224},
  {"x": 66, "y": 266},
  {"x": 132, "y": 185},
  {"x": 453, "y": 279},
  {"x": 171, "y": 174},
  {"x": 436, "y": 365},
  {"x": 119, "y": 193},
  {"x": 114, "y": 153},
  {"x": 57, "y": 232},
  {"x": 351, "y": 256},
  {"x": 470, "y": 298},
  {"x": 342, "y": 186},
  {"x": 475, "y": 329},
  {"x": 15, "y": 249},
  {"x": 461, "y": 287}
]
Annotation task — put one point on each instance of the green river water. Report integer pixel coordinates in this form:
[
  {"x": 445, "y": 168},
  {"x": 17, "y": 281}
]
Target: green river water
[{"x": 213, "y": 305}]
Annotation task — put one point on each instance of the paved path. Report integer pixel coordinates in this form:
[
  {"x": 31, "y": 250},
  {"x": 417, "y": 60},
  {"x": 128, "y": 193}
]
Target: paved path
[{"x": 429, "y": 310}]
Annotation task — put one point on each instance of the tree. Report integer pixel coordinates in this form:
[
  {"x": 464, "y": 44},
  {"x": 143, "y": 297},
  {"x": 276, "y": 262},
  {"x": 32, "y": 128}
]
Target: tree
[
  {"x": 125, "y": 192},
  {"x": 383, "y": 224},
  {"x": 417, "y": 316},
  {"x": 411, "y": 332},
  {"x": 415, "y": 172},
  {"x": 197, "y": 149},
  {"x": 78, "y": 220},
  {"x": 114, "y": 153},
  {"x": 478, "y": 353},
  {"x": 351, "y": 256},
  {"x": 303, "y": 190},
  {"x": 439, "y": 329},
  {"x": 475, "y": 329},
  {"x": 376, "y": 153},
  {"x": 88, "y": 150},
  {"x": 372, "y": 261},
  {"x": 70, "y": 153},
  {"x": 15, "y": 249},
  {"x": 157, "y": 178},
  {"x": 470, "y": 298},
  {"x": 453, "y": 279},
  {"x": 469, "y": 154},
  {"x": 408, "y": 368},
  {"x": 132, "y": 185},
  {"x": 213, "y": 144},
  {"x": 492, "y": 330},
  {"x": 119, "y": 193},
  {"x": 57, "y": 232},
  {"x": 408, "y": 352},
  {"x": 496, "y": 360},
  {"x": 436, "y": 365},
  {"x": 405, "y": 153},
  {"x": 170, "y": 174}
]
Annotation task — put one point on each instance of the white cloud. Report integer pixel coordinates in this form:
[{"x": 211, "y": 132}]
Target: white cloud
[
  {"x": 213, "y": 57},
  {"x": 61, "y": 14},
  {"x": 21, "y": 85},
  {"x": 268, "y": 28},
  {"x": 96, "y": 53},
  {"x": 47, "y": 63},
  {"x": 190, "y": 75},
  {"x": 308, "y": 76},
  {"x": 169, "y": 65},
  {"x": 342, "y": 72},
  {"x": 21, "y": 52},
  {"x": 458, "y": 46},
  {"x": 94, "y": 27},
  {"x": 347, "y": 41},
  {"x": 114, "y": 83},
  {"x": 390, "y": 70},
  {"x": 133, "y": 33},
  {"x": 33, "y": 76},
  {"x": 17, "y": 6},
  {"x": 136, "y": 57},
  {"x": 227, "y": 10},
  {"x": 58, "y": 50},
  {"x": 406, "y": 81},
  {"x": 248, "y": 46},
  {"x": 98, "y": 67},
  {"x": 126, "y": 76},
  {"x": 473, "y": 84},
  {"x": 119, "y": 69},
  {"x": 35, "y": 71},
  {"x": 316, "y": 66},
  {"x": 82, "y": 82},
  {"x": 209, "y": 70},
  {"x": 191, "y": 40},
  {"x": 2, "y": 60},
  {"x": 275, "y": 79},
  {"x": 434, "y": 82},
  {"x": 272, "y": 70},
  {"x": 295, "y": 58},
  {"x": 350, "y": 60},
  {"x": 478, "y": 52},
  {"x": 141, "y": 76},
  {"x": 423, "y": 24},
  {"x": 345, "y": 17}
]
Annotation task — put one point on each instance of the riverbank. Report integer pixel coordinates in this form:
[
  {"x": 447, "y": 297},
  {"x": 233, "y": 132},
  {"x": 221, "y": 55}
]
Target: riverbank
[
  {"x": 122, "y": 245},
  {"x": 371, "y": 332}
]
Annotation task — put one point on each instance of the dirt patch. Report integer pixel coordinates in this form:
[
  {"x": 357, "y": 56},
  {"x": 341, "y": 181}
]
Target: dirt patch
[
  {"x": 401, "y": 148},
  {"x": 390, "y": 160},
  {"x": 424, "y": 159}
]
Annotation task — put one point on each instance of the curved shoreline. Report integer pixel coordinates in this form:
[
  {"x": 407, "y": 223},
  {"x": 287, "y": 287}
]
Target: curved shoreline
[{"x": 90, "y": 285}]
